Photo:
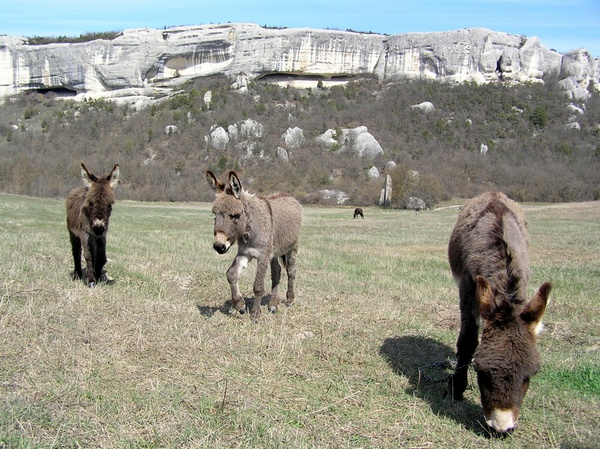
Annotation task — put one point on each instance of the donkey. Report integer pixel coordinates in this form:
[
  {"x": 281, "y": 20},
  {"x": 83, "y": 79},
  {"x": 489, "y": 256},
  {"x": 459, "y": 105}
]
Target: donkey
[
  {"x": 88, "y": 213},
  {"x": 264, "y": 228},
  {"x": 488, "y": 254}
]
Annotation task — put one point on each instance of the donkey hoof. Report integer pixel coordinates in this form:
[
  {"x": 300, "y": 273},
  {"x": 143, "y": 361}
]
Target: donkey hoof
[{"x": 92, "y": 284}]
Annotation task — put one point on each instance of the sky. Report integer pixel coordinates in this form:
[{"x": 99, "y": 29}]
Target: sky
[{"x": 561, "y": 25}]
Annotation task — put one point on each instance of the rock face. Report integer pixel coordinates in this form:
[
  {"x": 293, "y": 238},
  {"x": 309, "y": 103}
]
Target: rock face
[{"x": 150, "y": 63}]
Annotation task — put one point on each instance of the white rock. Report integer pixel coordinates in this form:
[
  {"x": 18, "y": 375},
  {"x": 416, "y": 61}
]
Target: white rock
[
  {"x": 373, "y": 173},
  {"x": 293, "y": 137},
  {"x": 425, "y": 106}
]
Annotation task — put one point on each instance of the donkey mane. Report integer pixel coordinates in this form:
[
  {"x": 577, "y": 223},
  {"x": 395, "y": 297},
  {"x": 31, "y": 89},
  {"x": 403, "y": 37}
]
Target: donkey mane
[
  {"x": 100, "y": 194},
  {"x": 515, "y": 284},
  {"x": 507, "y": 263}
]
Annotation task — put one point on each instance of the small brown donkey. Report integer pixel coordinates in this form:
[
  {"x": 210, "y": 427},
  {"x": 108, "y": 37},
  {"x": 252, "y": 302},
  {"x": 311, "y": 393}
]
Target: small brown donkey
[
  {"x": 488, "y": 253},
  {"x": 264, "y": 228},
  {"x": 88, "y": 213}
]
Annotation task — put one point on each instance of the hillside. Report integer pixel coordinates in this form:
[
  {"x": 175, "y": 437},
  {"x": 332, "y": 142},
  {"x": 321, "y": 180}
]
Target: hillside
[{"x": 528, "y": 140}]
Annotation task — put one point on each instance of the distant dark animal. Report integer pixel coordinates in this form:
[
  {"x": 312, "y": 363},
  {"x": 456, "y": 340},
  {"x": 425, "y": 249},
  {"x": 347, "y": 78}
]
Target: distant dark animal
[
  {"x": 265, "y": 228},
  {"x": 88, "y": 214},
  {"x": 358, "y": 211},
  {"x": 488, "y": 253}
]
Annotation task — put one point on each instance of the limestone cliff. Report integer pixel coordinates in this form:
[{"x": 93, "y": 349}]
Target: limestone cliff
[{"x": 150, "y": 62}]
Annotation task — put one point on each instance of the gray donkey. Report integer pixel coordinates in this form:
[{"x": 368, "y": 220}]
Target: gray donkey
[{"x": 265, "y": 228}]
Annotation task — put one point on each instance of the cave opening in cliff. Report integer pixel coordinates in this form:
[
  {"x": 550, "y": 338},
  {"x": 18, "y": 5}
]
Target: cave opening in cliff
[
  {"x": 62, "y": 92},
  {"x": 304, "y": 80}
]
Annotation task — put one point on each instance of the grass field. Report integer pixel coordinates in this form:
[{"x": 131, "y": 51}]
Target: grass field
[{"x": 154, "y": 360}]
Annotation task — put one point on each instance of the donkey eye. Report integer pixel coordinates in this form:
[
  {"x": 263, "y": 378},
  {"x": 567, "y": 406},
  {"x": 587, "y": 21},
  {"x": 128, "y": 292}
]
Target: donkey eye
[{"x": 234, "y": 216}]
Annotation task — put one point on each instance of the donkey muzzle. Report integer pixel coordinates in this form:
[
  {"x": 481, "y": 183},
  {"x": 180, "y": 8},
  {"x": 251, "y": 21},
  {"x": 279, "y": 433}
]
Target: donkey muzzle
[
  {"x": 503, "y": 422},
  {"x": 98, "y": 230},
  {"x": 98, "y": 227},
  {"x": 221, "y": 244},
  {"x": 220, "y": 247}
]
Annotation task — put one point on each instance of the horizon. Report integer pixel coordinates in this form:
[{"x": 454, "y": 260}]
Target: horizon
[{"x": 530, "y": 18}]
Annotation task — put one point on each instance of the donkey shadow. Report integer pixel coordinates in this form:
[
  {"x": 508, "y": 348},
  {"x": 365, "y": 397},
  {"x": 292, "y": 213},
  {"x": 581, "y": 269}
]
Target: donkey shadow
[
  {"x": 227, "y": 307},
  {"x": 421, "y": 360}
]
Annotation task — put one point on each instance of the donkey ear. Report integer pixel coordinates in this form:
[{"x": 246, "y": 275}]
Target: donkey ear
[
  {"x": 532, "y": 314},
  {"x": 87, "y": 177},
  {"x": 485, "y": 297},
  {"x": 235, "y": 184},
  {"x": 114, "y": 176},
  {"x": 214, "y": 183}
]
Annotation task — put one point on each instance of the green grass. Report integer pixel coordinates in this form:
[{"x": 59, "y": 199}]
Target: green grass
[{"x": 155, "y": 360}]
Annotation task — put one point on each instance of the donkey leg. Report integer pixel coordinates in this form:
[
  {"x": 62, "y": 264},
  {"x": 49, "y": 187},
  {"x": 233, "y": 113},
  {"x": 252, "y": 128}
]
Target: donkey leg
[
  {"x": 100, "y": 259},
  {"x": 259, "y": 285},
  {"x": 291, "y": 275},
  {"x": 76, "y": 250},
  {"x": 275, "y": 281},
  {"x": 89, "y": 253},
  {"x": 465, "y": 348},
  {"x": 468, "y": 338},
  {"x": 233, "y": 274}
]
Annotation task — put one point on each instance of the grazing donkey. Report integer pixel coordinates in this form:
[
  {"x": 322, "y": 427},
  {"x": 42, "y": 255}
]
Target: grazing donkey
[
  {"x": 488, "y": 253},
  {"x": 358, "y": 212},
  {"x": 264, "y": 228},
  {"x": 88, "y": 212}
]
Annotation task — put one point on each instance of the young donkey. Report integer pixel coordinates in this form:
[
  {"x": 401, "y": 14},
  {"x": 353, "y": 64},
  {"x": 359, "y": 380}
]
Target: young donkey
[
  {"x": 488, "y": 253},
  {"x": 88, "y": 213},
  {"x": 264, "y": 228}
]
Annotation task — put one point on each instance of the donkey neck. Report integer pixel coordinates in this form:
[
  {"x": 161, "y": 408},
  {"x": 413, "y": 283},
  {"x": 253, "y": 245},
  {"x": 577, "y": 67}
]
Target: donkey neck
[{"x": 258, "y": 215}]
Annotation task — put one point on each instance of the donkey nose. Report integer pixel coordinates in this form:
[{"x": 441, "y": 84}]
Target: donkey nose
[
  {"x": 501, "y": 421},
  {"x": 98, "y": 229},
  {"x": 219, "y": 247}
]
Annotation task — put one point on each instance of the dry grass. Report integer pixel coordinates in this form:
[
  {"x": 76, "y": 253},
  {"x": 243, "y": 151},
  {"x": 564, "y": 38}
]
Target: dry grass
[{"x": 155, "y": 360}]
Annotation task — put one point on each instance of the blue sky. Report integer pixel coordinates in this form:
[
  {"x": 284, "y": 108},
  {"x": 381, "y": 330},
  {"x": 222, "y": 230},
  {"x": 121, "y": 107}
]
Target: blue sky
[{"x": 560, "y": 24}]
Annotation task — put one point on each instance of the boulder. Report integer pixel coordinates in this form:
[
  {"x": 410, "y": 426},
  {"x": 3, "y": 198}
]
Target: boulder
[
  {"x": 352, "y": 140},
  {"x": 416, "y": 204},
  {"x": 251, "y": 129},
  {"x": 282, "y": 154},
  {"x": 425, "y": 106},
  {"x": 293, "y": 138},
  {"x": 373, "y": 173},
  {"x": 217, "y": 138},
  {"x": 171, "y": 129}
]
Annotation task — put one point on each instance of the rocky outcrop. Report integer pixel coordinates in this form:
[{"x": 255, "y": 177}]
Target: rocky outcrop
[
  {"x": 385, "y": 197},
  {"x": 358, "y": 141},
  {"x": 150, "y": 63}
]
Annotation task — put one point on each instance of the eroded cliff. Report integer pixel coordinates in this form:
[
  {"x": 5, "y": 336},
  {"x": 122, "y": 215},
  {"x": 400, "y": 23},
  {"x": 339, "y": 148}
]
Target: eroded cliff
[{"x": 149, "y": 62}]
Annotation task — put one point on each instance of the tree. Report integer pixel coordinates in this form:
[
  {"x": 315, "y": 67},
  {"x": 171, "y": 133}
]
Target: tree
[{"x": 539, "y": 117}]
